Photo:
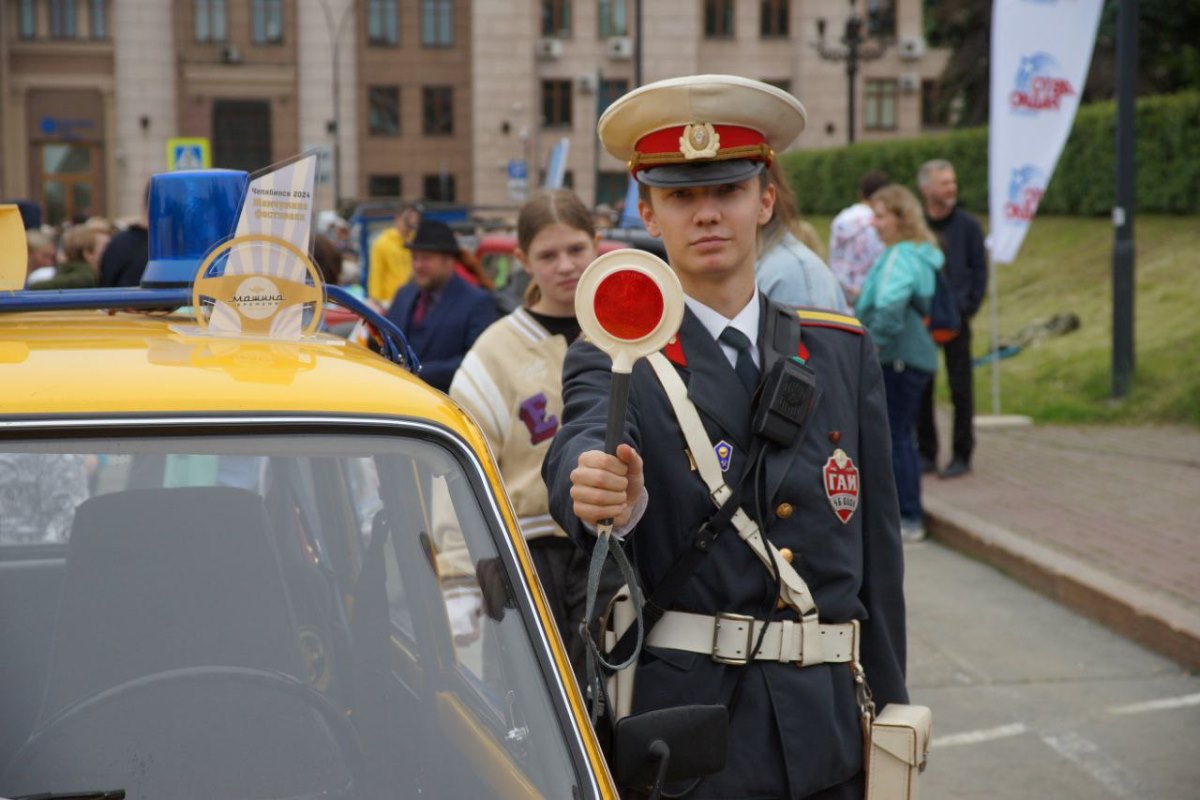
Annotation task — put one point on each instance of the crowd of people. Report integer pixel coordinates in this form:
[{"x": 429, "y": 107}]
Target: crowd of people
[{"x": 72, "y": 256}]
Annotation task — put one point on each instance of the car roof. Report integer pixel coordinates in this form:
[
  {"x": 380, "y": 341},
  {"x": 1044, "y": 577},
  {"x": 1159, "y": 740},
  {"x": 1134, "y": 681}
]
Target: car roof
[{"x": 83, "y": 362}]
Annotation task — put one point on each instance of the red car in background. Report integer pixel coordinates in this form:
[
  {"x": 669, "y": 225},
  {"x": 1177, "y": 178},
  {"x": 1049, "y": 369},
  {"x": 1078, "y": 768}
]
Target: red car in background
[{"x": 495, "y": 254}]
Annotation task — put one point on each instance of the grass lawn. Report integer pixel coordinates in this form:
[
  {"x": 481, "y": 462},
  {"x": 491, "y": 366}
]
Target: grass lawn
[{"x": 1065, "y": 265}]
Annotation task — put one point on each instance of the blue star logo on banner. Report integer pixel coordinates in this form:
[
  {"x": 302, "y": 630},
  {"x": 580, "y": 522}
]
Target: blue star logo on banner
[{"x": 724, "y": 451}]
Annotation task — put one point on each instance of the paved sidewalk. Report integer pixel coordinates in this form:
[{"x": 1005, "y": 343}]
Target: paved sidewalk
[{"x": 1105, "y": 520}]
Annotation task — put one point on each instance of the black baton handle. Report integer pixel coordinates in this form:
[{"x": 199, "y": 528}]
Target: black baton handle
[{"x": 618, "y": 401}]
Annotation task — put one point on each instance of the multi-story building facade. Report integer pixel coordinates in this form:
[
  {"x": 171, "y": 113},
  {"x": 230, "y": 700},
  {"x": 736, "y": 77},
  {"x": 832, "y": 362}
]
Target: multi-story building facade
[{"x": 420, "y": 99}]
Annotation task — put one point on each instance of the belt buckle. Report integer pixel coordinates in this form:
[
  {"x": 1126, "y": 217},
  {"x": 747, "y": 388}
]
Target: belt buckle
[{"x": 733, "y": 619}]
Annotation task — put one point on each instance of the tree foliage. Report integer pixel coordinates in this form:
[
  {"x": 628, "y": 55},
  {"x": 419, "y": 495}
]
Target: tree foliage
[
  {"x": 1167, "y": 155},
  {"x": 1168, "y": 51}
]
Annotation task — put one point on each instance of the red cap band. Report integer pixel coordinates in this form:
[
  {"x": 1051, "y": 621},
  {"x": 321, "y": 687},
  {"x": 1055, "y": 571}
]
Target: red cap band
[{"x": 665, "y": 146}]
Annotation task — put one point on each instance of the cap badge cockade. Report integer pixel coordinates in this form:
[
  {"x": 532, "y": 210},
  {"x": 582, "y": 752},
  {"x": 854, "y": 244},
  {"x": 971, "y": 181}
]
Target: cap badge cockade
[{"x": 699, "y": 140}]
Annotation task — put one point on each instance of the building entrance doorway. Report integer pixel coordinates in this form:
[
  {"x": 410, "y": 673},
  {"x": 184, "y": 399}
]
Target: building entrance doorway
[
  {"x": 70, "y": 180},
  {"x": 241, "y": 134}
]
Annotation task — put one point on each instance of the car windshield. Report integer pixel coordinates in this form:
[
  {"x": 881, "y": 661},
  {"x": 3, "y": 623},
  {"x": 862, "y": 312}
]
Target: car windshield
[{"x": 284, "y": 615}]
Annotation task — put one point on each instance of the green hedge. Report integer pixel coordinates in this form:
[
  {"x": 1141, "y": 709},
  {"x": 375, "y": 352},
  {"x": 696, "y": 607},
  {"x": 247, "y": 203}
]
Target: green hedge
[{"x": 1168, "y": 162}]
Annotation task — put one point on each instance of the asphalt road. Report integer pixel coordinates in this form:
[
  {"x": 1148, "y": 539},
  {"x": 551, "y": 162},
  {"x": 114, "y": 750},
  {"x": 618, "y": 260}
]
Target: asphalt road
[{"x": 1033, "y": 701}]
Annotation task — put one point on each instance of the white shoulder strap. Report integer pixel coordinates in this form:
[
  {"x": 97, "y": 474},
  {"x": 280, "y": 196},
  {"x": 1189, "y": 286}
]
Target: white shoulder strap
[{"x": 795, "y": 591}]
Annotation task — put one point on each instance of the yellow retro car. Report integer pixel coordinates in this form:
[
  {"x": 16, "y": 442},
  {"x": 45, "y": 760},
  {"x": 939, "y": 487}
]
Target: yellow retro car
[{"x": 218, "y": 562}]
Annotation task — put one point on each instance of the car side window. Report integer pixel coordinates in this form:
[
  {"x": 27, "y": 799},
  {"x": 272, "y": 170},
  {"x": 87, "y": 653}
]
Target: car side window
[{"x": 38, "y": 496}]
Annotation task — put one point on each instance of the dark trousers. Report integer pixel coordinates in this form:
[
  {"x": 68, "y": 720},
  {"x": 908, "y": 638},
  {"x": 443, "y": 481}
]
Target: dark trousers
[
  {"x": 562, "y": 569},
  {"x": 962, "y": 396},
  {"x": 904, "y": 386},
  {"x": 850, "y": 790}
]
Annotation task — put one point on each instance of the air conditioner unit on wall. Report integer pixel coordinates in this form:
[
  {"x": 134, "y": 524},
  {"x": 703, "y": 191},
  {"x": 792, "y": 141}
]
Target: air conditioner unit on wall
[
  {"x": 911, "y": 47},
  {"x": 548, "y": 49},
  {"x": 620, "y": 48},
  {"x": 910, "y": 82},
  {"x": 587, "y": 84},
  {"x": 229, "y": 54}
]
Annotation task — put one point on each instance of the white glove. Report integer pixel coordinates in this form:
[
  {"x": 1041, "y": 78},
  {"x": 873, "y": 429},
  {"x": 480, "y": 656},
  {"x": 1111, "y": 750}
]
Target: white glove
[{"x": 464, "y": 607}]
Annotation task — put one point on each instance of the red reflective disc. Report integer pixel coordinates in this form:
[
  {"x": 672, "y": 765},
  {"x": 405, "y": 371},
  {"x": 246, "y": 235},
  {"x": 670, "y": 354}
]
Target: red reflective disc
[{"x": 628, "y": 305}]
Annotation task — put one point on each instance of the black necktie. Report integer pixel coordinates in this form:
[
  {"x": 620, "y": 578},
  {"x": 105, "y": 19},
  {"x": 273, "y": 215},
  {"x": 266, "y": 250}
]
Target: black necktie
[{"x": 746, "y": 371}]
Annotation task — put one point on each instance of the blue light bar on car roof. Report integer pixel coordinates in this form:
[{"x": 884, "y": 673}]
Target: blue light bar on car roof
[{"x": 189, "y": 212}]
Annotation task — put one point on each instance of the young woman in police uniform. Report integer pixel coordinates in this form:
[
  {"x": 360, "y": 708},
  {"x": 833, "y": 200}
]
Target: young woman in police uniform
[{"x": 826, "y": 499}]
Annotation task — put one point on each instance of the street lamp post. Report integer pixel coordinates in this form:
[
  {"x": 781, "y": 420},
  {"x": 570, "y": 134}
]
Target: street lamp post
[
  {"x": 334, "y": 129},
  {"x": 855, "y": 47}
]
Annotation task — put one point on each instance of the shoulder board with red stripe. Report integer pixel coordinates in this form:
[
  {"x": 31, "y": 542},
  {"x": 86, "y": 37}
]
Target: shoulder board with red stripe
[{"x": 812, "y": 317}]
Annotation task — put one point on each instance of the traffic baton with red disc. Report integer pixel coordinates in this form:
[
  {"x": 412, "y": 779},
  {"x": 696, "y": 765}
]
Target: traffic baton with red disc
[{"x": 629, "y": 304}]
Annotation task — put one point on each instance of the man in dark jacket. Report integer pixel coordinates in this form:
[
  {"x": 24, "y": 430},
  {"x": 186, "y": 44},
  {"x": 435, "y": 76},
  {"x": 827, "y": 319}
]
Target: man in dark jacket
[
  {"x": 824, "y": 495},
  {"x": 441, "y": 314},
  {"x": 967, "y": 273},
  {"x": 126, "y": 256}
]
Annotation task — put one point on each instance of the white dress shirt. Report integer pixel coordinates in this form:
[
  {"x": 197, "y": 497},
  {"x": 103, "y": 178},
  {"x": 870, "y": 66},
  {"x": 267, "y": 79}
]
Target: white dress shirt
[{"x": 746, "y": 321}]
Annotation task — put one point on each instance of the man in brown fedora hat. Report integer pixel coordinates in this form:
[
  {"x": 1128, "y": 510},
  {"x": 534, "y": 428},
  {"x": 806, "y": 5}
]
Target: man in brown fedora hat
[{"x": 441, "y": 314}]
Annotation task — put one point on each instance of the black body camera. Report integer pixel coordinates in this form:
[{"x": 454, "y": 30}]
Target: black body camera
[{"x": 785, "y": 401}]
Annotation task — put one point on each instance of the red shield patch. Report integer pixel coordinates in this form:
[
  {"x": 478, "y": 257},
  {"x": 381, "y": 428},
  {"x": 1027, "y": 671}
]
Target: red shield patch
[{"x": 841, "y": 484}]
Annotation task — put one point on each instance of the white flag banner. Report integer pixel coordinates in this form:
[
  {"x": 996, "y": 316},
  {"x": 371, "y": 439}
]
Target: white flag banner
[
  {"x": 556, "y": 170},
  {"x": 1041, "y": 50}
]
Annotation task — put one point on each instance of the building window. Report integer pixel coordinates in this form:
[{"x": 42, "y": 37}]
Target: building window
[
  {"x": 610, "y": 90},
  {"x": 438, "y": 105},
  {"x": 210, "y": 21},
  {"x": 383, "y": 110},
  {"x": 613, "y": 18},
  {"x": 611, "y": 188},
  {"x": 556, "y": 104},
  {"x": 383, "y": 186},
  {"x": 62, "y": 19},
  {"x": 556, "y": 18},
  {"x": 568, "y": 178},
  {"x": 28, "y": 21},
  {"x": 934, "y": 112},
  {"x": 439, "y": 187},
  {"x": 879, "y": 112},
  {"x": 98, "y": 19},
  {"x": 881, "y": 18},
  {"x": 266, "y": 21},
  {"x": 383, "y": 27},
  {"x": 437, "y": 23},
  {"x": 718, "y": 19},
  {"x": 774, "y": 18}
]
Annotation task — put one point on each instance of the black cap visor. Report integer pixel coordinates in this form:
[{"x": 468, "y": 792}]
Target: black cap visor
[{"x": 700, "y": 173}]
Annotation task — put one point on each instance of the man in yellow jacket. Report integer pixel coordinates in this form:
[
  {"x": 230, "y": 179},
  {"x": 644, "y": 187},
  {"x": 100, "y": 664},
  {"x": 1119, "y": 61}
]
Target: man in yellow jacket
[{"x": 390, "y": 266}]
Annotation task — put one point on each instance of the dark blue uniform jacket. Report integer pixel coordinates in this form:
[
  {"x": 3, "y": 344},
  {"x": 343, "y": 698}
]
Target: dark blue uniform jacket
[{"x": 793, "y": 731}]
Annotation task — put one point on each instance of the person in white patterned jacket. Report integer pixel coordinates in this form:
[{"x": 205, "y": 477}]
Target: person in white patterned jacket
[{"x": 853, "y": 243}]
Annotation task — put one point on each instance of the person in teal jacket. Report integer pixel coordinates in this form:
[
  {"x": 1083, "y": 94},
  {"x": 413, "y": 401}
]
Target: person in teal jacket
[{"x": 896, "y": 297}]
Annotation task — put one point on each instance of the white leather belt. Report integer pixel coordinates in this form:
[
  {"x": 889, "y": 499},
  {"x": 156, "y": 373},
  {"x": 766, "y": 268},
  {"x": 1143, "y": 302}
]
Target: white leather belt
[{"x": 729, "y": 638}]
